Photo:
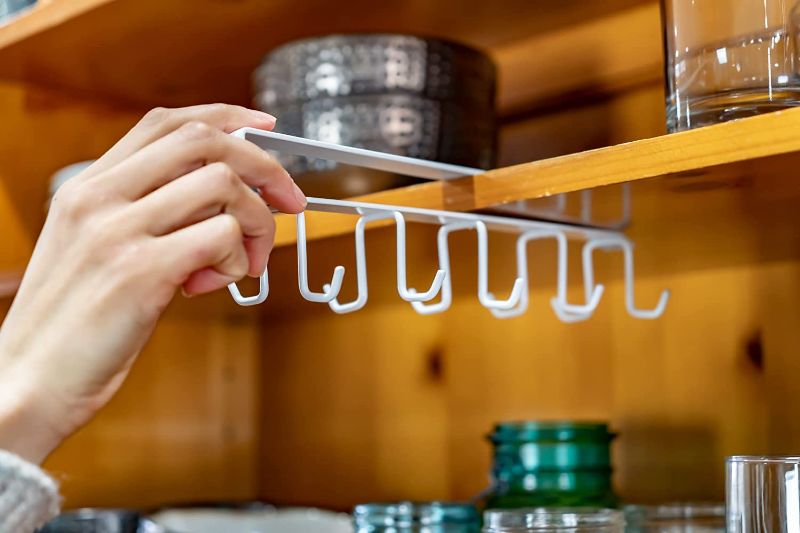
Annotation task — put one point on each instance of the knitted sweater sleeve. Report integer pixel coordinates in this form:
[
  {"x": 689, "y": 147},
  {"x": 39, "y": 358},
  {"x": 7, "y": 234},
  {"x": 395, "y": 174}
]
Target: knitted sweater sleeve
[{"x": 28, "y": 496}]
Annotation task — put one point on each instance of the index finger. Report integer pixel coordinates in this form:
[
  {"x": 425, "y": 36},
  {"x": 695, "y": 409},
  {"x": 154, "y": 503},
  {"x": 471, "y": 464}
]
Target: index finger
[
  {"x": 161, "y": 121},
  {"x": 193, "y": 146}
]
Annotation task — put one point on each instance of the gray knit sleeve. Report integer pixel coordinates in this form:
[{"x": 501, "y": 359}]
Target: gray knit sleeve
[{"x": 28, "y": 496}]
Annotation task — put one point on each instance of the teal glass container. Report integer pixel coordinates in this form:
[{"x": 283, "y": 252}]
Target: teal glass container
[
  {"x": 416, "y": 517},
  {"x": 550, "y": 464}
]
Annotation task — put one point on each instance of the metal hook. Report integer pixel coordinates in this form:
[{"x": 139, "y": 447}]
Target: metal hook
[
  {"x": 522, "y": 273},
  {"x": 486, "y": 298},
  {"x": 565, "y": 311},
  {"x": 630, "y": 301},
  {"x": 330, "y": 290},
  {"x": 263, "y": 291},
  {"x": 444, "y": 266},
  {"x": 412, "y": 295},
  {"x": 361, "y": 268}
]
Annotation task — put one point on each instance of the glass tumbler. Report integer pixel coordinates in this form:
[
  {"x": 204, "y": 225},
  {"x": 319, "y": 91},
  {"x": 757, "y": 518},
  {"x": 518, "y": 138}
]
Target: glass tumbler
[
  {"x": 554, "y": 520},
  {"x": 728, "y": 59},
  {"x": 763, "y": 494}
]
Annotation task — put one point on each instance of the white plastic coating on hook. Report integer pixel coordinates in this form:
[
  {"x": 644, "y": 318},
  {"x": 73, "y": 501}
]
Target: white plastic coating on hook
[
  {"x": 486, "y": 298},
  {"x": 565, "y": 311},
  {"x": 361, "y": 268},
  {"x": 412, "y": 295},
  {"x": 330, "y": 290},
  {"x": 522, "y": 272},
  {"x": 514, "y": 305},
  {"x": 263, "y": 291},
  {"x": 627, "y": 249},
  {"x": 444, "y": 266}
]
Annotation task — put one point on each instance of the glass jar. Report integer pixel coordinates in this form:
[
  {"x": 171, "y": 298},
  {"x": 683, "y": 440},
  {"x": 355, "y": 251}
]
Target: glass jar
[
  {"x": 566, "y": 520},
  {"x": 728, "y": 59},
  {"x": 675, "y": 517},
  {"x": 411, "y": 517},
  {"x": 550, "y": 464}
]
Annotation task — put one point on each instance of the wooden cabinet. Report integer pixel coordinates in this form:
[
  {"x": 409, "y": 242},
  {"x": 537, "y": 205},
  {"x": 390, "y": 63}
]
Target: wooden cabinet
[{"x": 290, "y": 403}]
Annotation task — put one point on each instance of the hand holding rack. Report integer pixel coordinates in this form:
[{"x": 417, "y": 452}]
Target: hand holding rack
[{"x": 527, "y": 230}]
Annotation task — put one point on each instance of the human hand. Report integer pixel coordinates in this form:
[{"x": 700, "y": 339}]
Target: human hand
[{"x": 169, "y": 206}]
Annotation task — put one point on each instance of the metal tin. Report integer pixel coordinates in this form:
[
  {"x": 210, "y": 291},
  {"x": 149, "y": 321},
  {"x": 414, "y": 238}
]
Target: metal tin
[
  {"x": 350, "y": 65},
  {"x": 393, "y": 123},
  {"x": 404, "y": 95}
]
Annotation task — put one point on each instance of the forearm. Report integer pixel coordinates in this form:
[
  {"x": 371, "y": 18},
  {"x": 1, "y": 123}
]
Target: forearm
[
  {"x": 24, "y": 430},
  {"x": 28, "y": 496}
]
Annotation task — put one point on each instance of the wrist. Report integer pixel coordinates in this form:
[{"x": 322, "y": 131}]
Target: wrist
[{"x": 24, "y": 430}]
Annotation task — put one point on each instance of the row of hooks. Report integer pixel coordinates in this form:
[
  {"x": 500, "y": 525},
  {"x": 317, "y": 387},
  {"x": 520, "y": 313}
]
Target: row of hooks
[
  {"x": 555, "y": 208},
  {"x": 515, "y": 304}
]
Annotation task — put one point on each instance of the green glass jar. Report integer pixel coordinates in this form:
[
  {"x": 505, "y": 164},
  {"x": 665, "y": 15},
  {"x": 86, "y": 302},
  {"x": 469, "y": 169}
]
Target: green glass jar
[
  {"x": 416, "y": 517},
  {"x": 550, "y": 464}
]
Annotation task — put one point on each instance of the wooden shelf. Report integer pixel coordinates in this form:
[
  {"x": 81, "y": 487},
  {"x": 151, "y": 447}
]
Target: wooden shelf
[
  {"x": 755, "y": 157},
  {"x": 182, "y": 52}
]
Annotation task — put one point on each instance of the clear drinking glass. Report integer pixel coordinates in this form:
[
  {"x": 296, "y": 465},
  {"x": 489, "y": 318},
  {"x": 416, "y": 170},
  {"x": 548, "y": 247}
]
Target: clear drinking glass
[
  {"x": 554, "y": 520},
  {"x": 729, "y": 59},
  {"x": 677, "y": 517},
  {"x": 763, "y": 494}
]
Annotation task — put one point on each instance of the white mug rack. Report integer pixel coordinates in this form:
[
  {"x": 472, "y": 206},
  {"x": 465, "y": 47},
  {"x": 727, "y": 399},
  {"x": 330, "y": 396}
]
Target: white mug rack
[{"x": 515, "y": 304}]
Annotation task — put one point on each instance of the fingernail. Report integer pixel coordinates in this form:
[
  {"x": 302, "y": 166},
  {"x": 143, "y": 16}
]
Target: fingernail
[
  {"x": 262, "y": 270},
  {"x": 298, "y": 193},
  {"x": 265, "y": 116},
  {"x": 186, "y": 294}
]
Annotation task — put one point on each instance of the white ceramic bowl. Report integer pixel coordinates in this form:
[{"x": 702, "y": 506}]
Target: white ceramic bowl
[{"x": 291, "y": 520}]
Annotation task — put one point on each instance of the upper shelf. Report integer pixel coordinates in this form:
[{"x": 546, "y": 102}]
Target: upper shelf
[
  {"x": 755, "y": 158},
  {"x": 183, "y": 52}
]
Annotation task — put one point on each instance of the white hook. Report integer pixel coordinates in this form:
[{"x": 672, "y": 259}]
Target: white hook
[
  {"x": 330, "y": 290},
  {"x": 630, "y": 301},
  {"x": 411, "y": 295},
  {"x": 522, "y": 273},
  {"x": 565, "y": 311},
  {"x": 263, "y": 291},
  {"x": 486, "y": 298},
  {"x": 444, "y": 266},
  {"x": 361, "y": 268}
]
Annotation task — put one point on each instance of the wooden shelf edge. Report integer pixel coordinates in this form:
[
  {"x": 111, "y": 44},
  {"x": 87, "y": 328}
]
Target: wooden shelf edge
[{"x": 694, "y": 151}]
